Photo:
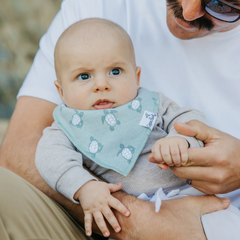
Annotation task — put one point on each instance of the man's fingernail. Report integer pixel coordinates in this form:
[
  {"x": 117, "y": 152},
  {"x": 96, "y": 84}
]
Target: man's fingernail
[{"x": 225, "y": 199}]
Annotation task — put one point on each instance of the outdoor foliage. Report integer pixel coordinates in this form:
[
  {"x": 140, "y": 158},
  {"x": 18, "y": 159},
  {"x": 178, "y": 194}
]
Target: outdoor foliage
[{"x": 22, "y": 23}]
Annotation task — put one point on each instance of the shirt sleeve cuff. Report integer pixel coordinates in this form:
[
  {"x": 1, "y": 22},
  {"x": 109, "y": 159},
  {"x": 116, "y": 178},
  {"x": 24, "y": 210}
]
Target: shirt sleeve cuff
[
  {"x": 193, "y": 142},
  {"x": 72, "y": 180}
]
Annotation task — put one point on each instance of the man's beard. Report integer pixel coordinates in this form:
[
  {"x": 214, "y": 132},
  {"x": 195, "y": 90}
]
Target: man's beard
[{"x": 200, "y": 23}]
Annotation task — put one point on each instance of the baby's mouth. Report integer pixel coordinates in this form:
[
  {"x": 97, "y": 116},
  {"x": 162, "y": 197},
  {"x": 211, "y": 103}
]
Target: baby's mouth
[{"x": 103, "y": 104}]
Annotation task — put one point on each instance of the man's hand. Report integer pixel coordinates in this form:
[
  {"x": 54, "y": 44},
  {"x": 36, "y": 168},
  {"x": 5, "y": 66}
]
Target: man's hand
[
  {"x": 216, "y": 167},
  {"x": 177, "y": 219}
]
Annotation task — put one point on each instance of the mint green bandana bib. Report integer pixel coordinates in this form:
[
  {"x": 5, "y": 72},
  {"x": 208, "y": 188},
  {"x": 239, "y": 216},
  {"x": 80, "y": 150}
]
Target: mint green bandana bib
[{"x": 112, "y": 138}]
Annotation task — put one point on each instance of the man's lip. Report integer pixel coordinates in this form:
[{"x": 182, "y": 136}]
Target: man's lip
[
  {"x": 103, "y": 104},
  {"x": 184, "y": 25}
]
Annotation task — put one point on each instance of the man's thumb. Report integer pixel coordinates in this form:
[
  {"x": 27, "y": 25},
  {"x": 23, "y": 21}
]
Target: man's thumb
[
  {"x": 211, "y": 204},
  {"x": 193, "y": 128}
]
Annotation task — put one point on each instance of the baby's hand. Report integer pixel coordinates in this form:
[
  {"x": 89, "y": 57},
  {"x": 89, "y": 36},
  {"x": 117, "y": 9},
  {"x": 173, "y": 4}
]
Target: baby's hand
[
  {"x": 169, "y": 151},
  {"x": 96, "y": 200}
]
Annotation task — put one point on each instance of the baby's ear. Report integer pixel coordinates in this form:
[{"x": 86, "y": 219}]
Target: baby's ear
[
  {"x": 138, "y": 74},
  {"x": 59, "y": 89}
]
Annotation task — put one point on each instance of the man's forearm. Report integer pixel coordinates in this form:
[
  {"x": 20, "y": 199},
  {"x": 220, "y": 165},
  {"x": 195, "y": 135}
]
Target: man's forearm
[
  {"x": 17, "y": 153},
  {"x": 30, "y": 117}
]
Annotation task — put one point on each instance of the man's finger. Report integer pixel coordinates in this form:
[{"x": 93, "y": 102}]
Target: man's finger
[
  {"x": 196, "y": 173},
  {"x": 195, "y": 129},
  {"x": 206, "y": 187},
  {"x": 211, "y": 204},
  {"x": 163, "y": 166},
  {"x": 200, "y": 157}
]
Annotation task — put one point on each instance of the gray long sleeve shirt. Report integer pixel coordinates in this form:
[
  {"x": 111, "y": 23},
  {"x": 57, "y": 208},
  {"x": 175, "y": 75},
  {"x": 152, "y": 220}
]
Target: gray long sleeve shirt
[{"x": 61, "y": 164}]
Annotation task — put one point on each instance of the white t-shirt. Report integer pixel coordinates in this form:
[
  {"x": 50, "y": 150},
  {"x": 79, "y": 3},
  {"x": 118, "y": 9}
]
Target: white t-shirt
[{"x": 200, "y": 73}]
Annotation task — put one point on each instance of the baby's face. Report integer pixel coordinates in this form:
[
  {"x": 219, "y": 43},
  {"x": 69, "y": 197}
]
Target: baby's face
[{"x": 98, "y": 76}]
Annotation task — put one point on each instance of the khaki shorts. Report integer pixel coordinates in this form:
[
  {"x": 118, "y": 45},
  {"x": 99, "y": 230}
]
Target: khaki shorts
[{"x": 28, "y": 214}]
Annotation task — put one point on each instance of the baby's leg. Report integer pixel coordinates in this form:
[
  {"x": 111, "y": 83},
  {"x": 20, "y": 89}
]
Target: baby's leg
[{"x": 27, "y": 213}]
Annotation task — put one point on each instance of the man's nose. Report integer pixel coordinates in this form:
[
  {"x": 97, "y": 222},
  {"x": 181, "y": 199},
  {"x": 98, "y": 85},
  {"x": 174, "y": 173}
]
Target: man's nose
[
  {"x": 192, "y": 9},
  {"x": 101, "y": 84}
]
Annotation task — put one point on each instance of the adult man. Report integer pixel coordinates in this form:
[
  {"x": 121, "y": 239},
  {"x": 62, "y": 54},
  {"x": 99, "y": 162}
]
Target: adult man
[{"x": 202, "y": 73}]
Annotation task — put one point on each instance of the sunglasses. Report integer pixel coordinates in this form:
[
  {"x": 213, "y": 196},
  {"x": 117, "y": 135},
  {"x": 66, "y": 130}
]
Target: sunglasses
[{"x": 225, "y": 11}]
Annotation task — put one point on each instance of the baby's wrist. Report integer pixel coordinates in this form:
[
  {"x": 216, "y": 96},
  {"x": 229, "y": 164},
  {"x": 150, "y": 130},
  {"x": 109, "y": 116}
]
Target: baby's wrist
[{"x": 81, "y": 190}]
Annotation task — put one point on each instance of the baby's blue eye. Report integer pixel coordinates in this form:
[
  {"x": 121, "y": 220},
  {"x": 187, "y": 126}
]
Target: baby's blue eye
[
  {"x": 115, "y": 71},
  {"x": 83, "y": 76}
]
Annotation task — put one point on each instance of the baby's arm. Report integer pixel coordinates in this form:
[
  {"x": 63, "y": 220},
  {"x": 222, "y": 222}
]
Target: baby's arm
[
  {"x": 96, "y": 200},
  {"x": 59, "y": 163},
  {"x": 170, "y": 151},
  {"x": 61, "y": 166}
]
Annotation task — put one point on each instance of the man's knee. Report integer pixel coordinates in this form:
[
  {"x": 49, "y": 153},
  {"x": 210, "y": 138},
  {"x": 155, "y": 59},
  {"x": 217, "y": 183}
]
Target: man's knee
[{"x": 27, "y": 213}]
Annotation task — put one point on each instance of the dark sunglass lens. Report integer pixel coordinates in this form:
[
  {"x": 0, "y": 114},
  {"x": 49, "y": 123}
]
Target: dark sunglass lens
[{"x": 221, "y": 11}]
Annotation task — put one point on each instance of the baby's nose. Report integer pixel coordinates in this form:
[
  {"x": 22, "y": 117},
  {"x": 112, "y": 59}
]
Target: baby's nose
[{"x": 101, "y": 85}]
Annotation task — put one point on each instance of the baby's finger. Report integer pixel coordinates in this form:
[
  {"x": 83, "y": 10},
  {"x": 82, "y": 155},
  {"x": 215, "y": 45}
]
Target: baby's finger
[
  {"x": 184, "y": 153},
  {"x": 165, "y": 151},
  {"x": 88, "y": 223},
  {"x": 156, "y": 154},
  {"x": 175, "y": 155},
  {"x": 101, "y": 223},
  {"x": 116, "y": 204},
  {"x": 108, "y": 214},
  {"x": 114, "y": 187},
  {"x": 151, "y": 158}
]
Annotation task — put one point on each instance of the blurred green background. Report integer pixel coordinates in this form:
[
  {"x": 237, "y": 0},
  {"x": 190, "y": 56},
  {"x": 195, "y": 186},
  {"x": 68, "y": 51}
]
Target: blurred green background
[{"x": 22, "y": 23}]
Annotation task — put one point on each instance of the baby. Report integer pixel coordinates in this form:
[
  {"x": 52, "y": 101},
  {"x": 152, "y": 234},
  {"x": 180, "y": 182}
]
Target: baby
[{"x": 109, "y": 125}]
